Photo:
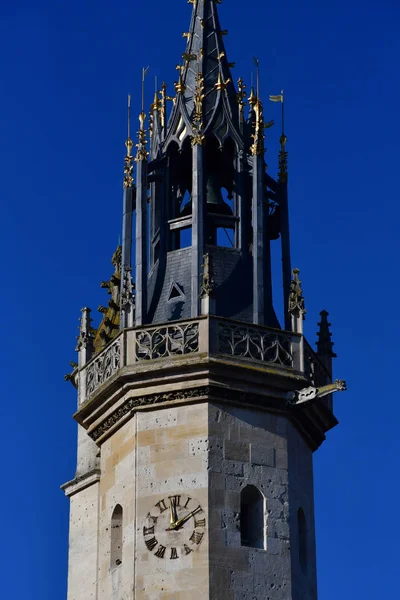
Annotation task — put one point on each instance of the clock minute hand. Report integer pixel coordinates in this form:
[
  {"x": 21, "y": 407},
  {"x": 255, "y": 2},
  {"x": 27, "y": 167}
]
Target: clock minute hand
[{"x": 183, "y": 520}]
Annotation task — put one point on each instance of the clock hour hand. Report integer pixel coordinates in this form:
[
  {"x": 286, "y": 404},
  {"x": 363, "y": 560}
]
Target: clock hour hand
[{"x": 173, "y": 513}]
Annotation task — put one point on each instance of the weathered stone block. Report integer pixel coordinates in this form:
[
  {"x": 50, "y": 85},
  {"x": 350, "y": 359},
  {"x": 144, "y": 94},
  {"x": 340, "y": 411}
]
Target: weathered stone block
[
  {"x": 237, "y": 451},
  {"x": 260, "y": 455},
  {"x": 281, "y": 459}
]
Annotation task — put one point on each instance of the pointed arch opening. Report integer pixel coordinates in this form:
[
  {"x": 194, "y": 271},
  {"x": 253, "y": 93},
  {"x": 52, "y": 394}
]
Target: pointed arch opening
[
  {"x": 180, "y": 195},
  {"x": 252, "y": 518},
  {"x": 116, "y": 537},
  {"x": 302, "y": 540}
]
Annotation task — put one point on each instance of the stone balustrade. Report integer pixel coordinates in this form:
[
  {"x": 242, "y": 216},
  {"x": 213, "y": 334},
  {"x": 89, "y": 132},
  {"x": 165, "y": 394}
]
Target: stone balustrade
[{"x": 205, "y": 336}]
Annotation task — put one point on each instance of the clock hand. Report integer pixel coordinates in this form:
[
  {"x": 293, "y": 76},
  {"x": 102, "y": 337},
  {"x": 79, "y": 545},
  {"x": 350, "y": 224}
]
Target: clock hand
[
  {"x": 172, "y": 515},
  {"x": 183, "y": 520}
]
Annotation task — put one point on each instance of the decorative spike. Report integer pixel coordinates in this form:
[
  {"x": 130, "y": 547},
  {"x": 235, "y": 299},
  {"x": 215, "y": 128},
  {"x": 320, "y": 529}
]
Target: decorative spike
[
  {"x": 296, "y": 298},
  {"x": 128, "y": 166},
  {"x": 85, "y": 338},
  {"x": 207, "y": 283},
  {"x": 163, "y": 104},
  {"x": 324, "y": 342},
  {"x": 205, "y": 43},
  {"x": 127, "y": 300},
  {"x": 222, "y": 85},
  {"x": 241, "y": 92},
  {"x": 180, "y": 86},
  {"x": 283, "y": 173},
  {"x": 188, "y": 57},
  {"x": 141, "y": 146},
  {"x": 252, "y": 97},
  {"x": 257, "y": 148}
]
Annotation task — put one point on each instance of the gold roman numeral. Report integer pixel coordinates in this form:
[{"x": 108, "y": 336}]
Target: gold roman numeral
[{"x": 187, "y": 502}]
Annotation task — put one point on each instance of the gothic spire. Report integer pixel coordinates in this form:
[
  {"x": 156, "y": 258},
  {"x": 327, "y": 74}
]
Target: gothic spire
[{"x": 205, "y": 54}]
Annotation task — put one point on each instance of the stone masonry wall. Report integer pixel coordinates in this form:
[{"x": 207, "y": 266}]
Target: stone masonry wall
[
  {"x": 117, "y": 486},
  {"x": 171, "y": 459},
  {"x": 301, "y": 495},
  {"x": 208, "y": 453},
  {"x": 83, "y": 543},
  {"x": 249, "y": 447}
]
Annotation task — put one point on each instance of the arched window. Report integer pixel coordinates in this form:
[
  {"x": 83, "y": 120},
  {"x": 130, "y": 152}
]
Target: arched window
[
  {"x": 302, "y": 533},
  {"x": 116, "y": 537},
  {"x": 252, "y": 530}
]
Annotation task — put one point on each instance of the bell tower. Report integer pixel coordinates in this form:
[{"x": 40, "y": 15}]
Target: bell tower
[{"x": 199, "y": 408}]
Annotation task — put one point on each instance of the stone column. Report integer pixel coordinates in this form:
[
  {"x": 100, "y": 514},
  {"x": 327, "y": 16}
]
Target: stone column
[
  {"x": 197, "y": 225},
  {"x": 141, "y": 241},
  {"x": 258, "y": 241}
]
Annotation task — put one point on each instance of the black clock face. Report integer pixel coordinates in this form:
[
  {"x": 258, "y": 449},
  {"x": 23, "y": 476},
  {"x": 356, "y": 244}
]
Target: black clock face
[{"x": 175, "y": 527}]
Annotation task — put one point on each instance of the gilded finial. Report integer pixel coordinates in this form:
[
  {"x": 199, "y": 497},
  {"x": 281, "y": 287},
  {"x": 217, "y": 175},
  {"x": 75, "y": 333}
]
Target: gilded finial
[
  {"x": 257, "y": 63},
  {"x": 163, "y": 104},
  {"x": 252, "y": 97},
  {"x": 154, "y": 108},
  {"x": 197, "y": 118},
  {"x": 128, "y": 166},
  {"x": 282, "y": 161},
  {"x": 257, "y": 148},
  {"x": 179, "y": 85},
  {"x": 188, "y": 57},
  {"x": 221, "y": 84},
  {"x": 142, "y": 153}
]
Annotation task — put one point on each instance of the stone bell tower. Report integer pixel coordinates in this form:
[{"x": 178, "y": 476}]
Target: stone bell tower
[{"x": 198, "y": 409}]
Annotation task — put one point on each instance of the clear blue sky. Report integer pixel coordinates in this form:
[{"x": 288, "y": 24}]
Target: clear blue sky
[{"x": 66, "y": 68}]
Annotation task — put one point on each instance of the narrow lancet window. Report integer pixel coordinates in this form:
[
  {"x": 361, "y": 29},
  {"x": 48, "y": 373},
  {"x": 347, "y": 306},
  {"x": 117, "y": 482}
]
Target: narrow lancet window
[
  {"x": 252, "y": 529},
  {"x": 302, "y": 533},
  {"x": 116, "y": 537}
]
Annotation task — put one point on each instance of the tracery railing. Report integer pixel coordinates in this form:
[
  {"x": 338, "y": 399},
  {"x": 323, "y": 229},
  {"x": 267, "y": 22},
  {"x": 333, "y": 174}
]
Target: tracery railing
[
  {"x": 167, "y": 341},
  {"x": 207, "y": 335},
  {"x": 103, "y": 367},
  {"x": 256, "y": 343}
]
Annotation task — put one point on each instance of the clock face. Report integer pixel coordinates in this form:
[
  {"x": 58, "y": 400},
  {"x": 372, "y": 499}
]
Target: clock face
[{"x": 175, "y": 527}]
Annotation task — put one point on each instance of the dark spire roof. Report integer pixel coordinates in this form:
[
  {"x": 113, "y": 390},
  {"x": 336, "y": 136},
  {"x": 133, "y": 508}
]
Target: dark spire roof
[
  {"x": 324, "y": 342},
  {"x": 205, "y": 54}
]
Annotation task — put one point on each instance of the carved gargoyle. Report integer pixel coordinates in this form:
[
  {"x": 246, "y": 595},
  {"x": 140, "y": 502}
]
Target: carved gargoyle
[{"x": 312, "y": 393}]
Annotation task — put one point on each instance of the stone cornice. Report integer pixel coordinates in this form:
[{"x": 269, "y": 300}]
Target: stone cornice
[{"x": 80, "y": 483}]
